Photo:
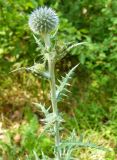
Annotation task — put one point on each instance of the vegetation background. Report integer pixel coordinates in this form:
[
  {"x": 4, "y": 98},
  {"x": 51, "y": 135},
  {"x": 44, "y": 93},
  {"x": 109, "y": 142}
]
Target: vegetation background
[{"x": 92, "y": 106}]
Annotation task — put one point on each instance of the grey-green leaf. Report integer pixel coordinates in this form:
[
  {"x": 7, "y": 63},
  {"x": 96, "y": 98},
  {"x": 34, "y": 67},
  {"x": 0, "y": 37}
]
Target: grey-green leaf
[
  {"x": 63, "y": 83},
  {"x": 42, "y": 108}
]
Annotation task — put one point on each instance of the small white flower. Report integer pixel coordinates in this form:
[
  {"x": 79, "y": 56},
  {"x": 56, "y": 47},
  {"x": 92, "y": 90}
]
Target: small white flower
[{"x": 43, "y": 20}]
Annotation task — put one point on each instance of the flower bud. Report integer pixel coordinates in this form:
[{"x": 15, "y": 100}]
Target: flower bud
[{"x": 43, "y": 20}]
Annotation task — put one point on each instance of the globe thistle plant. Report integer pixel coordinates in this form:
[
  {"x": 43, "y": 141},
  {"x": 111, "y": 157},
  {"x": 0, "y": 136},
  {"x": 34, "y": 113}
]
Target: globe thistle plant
[{"x": 42, "y": 21}]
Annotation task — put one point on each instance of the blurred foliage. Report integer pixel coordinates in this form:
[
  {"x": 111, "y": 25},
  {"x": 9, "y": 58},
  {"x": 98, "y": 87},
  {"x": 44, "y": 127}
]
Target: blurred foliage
[
  {"x": 94, "y": 22},
  {"x": 94, "y": 88},
  {"x": 22, "y": 139}
]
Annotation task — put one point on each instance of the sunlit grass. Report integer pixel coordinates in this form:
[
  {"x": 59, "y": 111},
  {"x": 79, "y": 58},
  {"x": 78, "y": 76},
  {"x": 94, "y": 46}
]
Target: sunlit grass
[{"x": 20, "y": 124}]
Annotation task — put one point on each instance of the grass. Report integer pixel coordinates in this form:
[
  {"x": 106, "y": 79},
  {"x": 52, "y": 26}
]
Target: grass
[{"x": 20, "y": 124}]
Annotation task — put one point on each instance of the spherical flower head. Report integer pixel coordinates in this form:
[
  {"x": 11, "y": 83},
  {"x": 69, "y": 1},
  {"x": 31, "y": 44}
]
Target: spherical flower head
[{"x": 43, "y": 20}]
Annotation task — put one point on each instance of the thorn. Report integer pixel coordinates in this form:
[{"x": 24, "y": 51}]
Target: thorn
[
  {"x": 17, "y": 69},
  {"x": 67, "y": 90},
  {"x": 64, "y": 94},
  {"x": 67, "y": 84},
  {"x": 62, "y": 77},
  {"x": 59, "y": 81},
  {"x": 75, "y": 45}
]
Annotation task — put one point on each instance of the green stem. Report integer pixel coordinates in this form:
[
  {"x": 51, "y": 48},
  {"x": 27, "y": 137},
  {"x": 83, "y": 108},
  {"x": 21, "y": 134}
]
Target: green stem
[
  {"x": 51, "y": 66},
  {"x": 54, "y": 105},
  {"x": 46, "y": 38}
]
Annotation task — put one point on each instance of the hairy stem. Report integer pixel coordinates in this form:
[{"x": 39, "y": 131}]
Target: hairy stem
[{"x": 54, "y": 105}]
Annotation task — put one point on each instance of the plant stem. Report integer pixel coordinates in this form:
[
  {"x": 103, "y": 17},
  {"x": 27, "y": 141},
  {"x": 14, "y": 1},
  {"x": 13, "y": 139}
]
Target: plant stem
[
  {"x": 51, "y": 65},
  {"x": 46, "y": 38}
]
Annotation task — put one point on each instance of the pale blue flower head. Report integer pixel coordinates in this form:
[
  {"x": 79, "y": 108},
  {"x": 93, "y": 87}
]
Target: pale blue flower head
[{"x": 43, "y": 20}]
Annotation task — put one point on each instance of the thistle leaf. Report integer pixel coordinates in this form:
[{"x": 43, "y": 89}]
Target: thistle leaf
[
  {"x": 36, "y": 72},
  {"x": 82, "y": 144},
  {"x": 75, "y": 45},
  {"x": 60, "y": 50},
  {"x": 50, "y": 120},
  {"x": 72, "y": 143},
  {"x": 37, "y": 41},
  {"x": 43, "y": 108},
  {"x": 63, "y": 49},
  {"x": 63, "y": 83}
]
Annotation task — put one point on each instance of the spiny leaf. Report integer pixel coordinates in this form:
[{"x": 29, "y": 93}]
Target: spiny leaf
[
  {"x": 72, "y": 143},
  {"x": 54, "y": 34},
  {"x": 82, "y": 144},
  {"x": 34, "y": 70},
  {"x": 75, "y": 45},
  {"x": 66, "y": 153},
  {"x": 43, "y": 108},
  {"x": 43, "y": 74},
  {"x": 63, "y": 49},
  {"x": 51, "y": 118},
  {"x": 18, "y": 69},
  {"x": 63, "y": 83},
  {"x": 60, "y": 48},
  {"x": 38, "y": 41}
]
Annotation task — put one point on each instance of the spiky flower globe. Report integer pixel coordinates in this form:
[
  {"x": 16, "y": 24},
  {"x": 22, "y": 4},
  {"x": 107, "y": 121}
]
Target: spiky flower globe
[{"x": 43, "y": 20}]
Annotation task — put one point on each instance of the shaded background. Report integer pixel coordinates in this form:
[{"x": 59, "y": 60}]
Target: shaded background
[{"x": 92, "y": 106}]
